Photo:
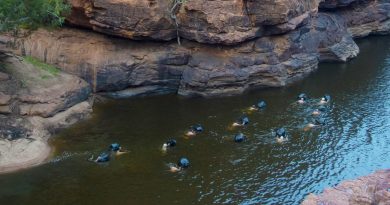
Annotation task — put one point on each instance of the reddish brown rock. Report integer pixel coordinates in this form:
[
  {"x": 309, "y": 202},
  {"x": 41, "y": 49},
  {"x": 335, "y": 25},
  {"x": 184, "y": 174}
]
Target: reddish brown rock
[
  {"x": 206, "y": 21},
  {"x": 134, "y": 19},
  {"x": 293, "y": 39},
  {"x": 371, "y": 189},
  {"x": 111, "y": 64}
]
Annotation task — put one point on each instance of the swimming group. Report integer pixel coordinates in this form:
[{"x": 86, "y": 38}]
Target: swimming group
[{"x": 183, "y": 162}]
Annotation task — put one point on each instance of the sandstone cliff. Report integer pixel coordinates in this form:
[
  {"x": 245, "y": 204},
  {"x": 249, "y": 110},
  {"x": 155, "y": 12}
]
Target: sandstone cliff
[{"x": 227, "y": 46}]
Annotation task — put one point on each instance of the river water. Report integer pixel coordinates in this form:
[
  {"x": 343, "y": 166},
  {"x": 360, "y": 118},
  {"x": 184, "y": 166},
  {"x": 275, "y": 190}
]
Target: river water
[{"x": 355, "y": 141}]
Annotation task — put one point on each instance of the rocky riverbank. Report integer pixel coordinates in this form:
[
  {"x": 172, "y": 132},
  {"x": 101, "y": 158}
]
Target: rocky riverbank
[
  {"x": 371, "y": 189},
  {"x": 35, "y": 101}
]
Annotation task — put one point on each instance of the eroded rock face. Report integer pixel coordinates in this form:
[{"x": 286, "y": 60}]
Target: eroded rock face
[
  {"x": 288, "y": 41},
  {"x": 371, "y": 189},
  {"x": 207, "y": 21},
  {"x": 111, "y": 64},
  {"x": 134, "y": 19},
  {"x": 367, "y": 17}
]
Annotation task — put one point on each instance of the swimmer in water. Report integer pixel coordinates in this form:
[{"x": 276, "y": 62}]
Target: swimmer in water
[
  {"x": 117, "y": 149},
  {"x": 318, "y": 111},
  {"x": 169, "y": 143},
  {"x": 194, "y": 130},
  {"x": 301, "y": 99},
  {"x": 242, "y": 121},
  {"x": 317, "y": 122},
  {"x": 325, "y": 99},
  {"x": 281, "y": 135},
  {"x": 114, "y": 148},
  {"x": 182, "y": 164},
  {"x": 259, "y": 106}
]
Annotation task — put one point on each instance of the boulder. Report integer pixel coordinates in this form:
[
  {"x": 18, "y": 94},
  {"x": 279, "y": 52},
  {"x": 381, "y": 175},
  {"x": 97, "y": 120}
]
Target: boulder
[{"x": 371, "y": 189}]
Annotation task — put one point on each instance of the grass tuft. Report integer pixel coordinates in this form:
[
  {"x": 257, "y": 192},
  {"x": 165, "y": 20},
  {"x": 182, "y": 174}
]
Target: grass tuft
[{"x": 39, "y": 64}]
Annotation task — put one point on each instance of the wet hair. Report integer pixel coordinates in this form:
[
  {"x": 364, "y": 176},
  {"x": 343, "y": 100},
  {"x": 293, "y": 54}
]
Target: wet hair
[
  {"x": 114, "y": 147},
  {"x": 183, "y": 162},
  {"x": 280, "y": 132},
  {"x": 261, "y": 104},
  {"x": 171, "y": 143},
  {"x": 239, "y": 137},
  {"x": 244, "y": 120},
  {"x": 103, "y": 157},
  {"x": 197, "y": 128},
  {"x": 302, "y": 96},
  {"x": 326, "y": 98}
]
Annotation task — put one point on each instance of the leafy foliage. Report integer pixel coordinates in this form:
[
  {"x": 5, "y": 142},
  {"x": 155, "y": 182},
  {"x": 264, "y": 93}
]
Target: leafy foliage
[{"x": 30, "y": 14}]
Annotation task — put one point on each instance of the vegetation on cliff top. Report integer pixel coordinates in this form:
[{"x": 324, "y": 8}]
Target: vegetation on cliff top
[
  {"x": 46, "y": 67},
  {"x": 31, "y": 14}
]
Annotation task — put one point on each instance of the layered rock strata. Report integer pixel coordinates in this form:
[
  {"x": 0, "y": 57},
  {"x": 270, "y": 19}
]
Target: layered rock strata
[{"x": 227, "y": 47}]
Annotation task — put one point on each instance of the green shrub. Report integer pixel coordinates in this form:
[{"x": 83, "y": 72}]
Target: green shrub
[{"x": 30, "y": 14}]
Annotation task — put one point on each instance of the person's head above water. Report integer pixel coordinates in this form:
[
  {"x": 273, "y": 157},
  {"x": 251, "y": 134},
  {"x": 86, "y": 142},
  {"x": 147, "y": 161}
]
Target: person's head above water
[
  {"x": 239, "y": 137},
  {"x": 183, "y": 162},
  {"x": 302, "y": 98},
  {"x": 170, "y": 143},
  {"x": 280, "y": 132},
  {"x": 115, "y": 147}
]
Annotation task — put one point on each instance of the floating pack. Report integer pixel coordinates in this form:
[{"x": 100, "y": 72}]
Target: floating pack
[
  {"x": 183, "y": 162},
  {"x": 244, "y": 120},
  {"x": 281, "y": 132},
  {"x": 197, "y": 128},
  {"x": 171, "y": 143},
  {"x": 302, "y": 96},
  {"x": 261, "y": 104},
  {"x": 239, "y": 137},
  {"x": 115, "y": 147},
  {"x": 103, "y": 157}
]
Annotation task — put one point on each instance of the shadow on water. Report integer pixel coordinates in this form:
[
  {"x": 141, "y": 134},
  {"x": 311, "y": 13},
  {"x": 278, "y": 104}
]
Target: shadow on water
[{"x": 355, "y": 141}]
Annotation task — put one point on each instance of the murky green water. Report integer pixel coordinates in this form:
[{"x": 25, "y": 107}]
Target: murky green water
[{"x": 354, "y": 142}]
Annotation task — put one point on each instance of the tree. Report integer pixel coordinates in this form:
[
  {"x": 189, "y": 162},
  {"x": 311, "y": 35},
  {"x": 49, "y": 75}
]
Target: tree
[{"x": 31, "y": 14}]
